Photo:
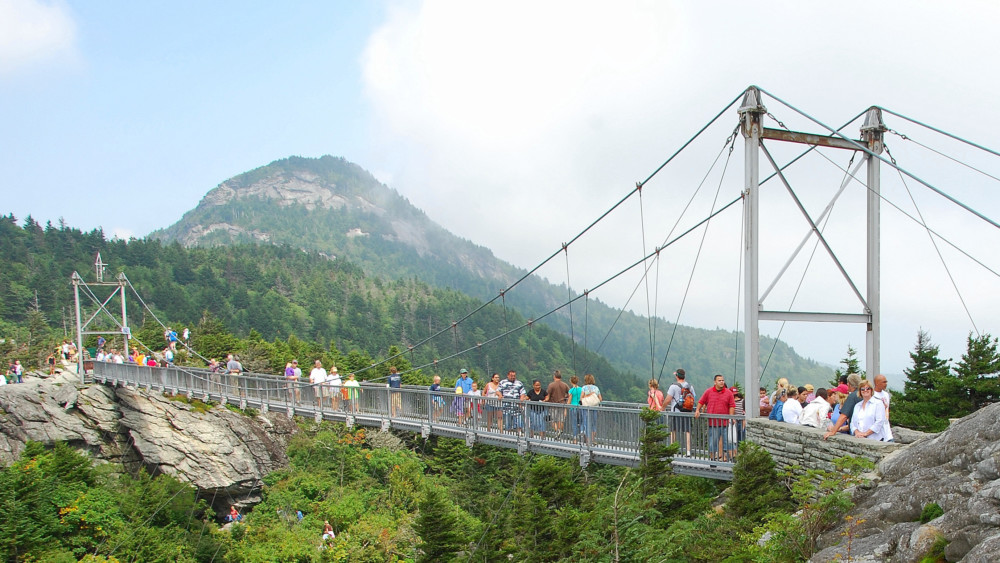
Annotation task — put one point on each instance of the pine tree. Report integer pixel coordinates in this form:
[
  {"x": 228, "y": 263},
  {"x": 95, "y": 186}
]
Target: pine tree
[
  {"x": 438, "y": 527},
  {"x": 931, "y": 394},
  {"x": 978, "y": 371},
  {"x": 924, "y": 378},
  {"x": 654, "y": 453},
  {"x": 851, "y": 365}
]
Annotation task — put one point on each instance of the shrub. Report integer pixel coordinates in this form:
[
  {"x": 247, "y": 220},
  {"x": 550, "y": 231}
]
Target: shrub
[{"x": 931, "y": 511}]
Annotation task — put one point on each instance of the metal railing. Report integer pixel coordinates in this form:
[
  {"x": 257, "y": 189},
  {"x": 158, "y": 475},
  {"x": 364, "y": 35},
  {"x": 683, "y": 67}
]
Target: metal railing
[{"x": 609, "y": 433}]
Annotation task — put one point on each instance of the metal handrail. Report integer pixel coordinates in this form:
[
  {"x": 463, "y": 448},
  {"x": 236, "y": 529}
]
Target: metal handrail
[{"x": 609, "y": 433}]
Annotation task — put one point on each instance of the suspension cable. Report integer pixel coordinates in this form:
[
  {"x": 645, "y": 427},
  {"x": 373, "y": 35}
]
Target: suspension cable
[
  {"x": 586, "y": 293},
  {"x": 939, "y": 153},
  {"x": 645, "y": 279},
  {"x": 936, "y": 130},
  {"x": 697, "y": 257},
  {"x": 569, "y": 293},
  {"x": 872, "y": 154},
  {"x": 936, "y": 249}
]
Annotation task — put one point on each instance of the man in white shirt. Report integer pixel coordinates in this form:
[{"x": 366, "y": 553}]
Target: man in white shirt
[
  {"x": 817, "y": 413},
  {"x": 793, "y": 408},
  {"x": 882, "y": 394},
  {"x": 317, "y": 377}
]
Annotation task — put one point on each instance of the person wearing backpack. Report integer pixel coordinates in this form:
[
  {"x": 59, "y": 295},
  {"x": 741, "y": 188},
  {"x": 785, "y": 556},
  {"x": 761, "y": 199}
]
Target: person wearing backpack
[{"x": 681, "y": 399}]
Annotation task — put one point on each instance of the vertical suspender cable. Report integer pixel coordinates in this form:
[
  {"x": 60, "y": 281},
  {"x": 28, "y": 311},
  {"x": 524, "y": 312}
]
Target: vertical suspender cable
[{"x": 569, "y": 293}]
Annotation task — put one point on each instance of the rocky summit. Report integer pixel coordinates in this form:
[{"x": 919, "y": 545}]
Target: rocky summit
[
  {"x": 224, "y": 454},
  {"x": 959, "y": 470}
]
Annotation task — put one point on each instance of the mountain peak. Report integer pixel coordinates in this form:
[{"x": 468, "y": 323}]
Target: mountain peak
[{"x": 313, "y": 183}]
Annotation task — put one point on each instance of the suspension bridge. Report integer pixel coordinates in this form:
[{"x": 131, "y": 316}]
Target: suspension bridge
[{"x": 616, "y": 428}]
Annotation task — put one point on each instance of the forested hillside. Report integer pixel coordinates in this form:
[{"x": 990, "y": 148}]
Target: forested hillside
[
  {"x": 262, "y": 293},
  {"x": 403, "y": 498},
  {"x": 337, "y": 208}
]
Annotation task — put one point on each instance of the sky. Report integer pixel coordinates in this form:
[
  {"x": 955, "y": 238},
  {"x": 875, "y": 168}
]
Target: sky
[{"x": 515, "y": 125}]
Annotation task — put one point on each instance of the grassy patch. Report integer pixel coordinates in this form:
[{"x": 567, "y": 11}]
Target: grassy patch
[{"x": 197, "y": 405}]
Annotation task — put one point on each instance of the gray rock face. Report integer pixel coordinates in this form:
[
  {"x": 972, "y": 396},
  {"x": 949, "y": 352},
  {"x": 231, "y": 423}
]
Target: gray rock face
[
  {"x": 222, "y": 453},
  {"x": 957, "y": 469}
]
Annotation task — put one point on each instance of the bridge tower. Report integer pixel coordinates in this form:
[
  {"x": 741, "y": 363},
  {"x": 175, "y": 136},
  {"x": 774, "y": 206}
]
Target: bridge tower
[
  {"x": 751, "y": 114},
  {"x": 102, "y": 307}
]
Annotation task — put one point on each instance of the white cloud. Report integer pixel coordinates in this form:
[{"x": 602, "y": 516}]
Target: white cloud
[
  {"x": 34, "y": 31},
  {"x": 516, "y": 126}
]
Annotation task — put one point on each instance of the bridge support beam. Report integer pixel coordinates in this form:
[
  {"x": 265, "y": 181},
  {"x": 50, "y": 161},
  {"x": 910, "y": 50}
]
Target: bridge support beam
[
  {"x": 751, "y": 113},
  {"x": 872, "y": 133}
]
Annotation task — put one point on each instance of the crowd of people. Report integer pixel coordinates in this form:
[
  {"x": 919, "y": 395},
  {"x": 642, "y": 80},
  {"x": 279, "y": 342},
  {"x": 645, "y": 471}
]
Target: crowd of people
[
  {"x": 856, "y": 406},
  {"x": 533, "y": 403}
]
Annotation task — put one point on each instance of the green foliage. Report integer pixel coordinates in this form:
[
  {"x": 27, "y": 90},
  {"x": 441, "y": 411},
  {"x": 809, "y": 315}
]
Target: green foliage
[
  {"x": 851, "y": 365},
  {"x": 979, "y": 371},
  {"x": 438, "y": 527},
  {"x": 931, "y": 511},
  {"x": 936, "y": 553},
  {"x": 933, "y": 394},
  {"x": 757, "y": 489},
  {"x": 55, "y": 506}
]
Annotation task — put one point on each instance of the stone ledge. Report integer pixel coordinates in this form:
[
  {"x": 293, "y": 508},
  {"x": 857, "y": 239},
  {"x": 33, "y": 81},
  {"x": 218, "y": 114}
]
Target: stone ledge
[{"x": 791, "y": 444}]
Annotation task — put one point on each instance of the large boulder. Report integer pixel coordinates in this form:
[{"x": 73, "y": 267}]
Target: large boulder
[
  {"x": 224, "y": 454},
  {"x": 959, "y": 469}
]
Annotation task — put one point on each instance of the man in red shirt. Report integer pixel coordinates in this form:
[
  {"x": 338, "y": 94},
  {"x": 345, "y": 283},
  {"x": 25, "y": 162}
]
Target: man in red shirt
[{"x": 717, "y": 400}]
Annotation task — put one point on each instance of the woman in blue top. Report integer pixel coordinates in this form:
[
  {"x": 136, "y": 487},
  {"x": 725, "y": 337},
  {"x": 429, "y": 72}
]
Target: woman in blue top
[
  {"x": 574, "y": 400},
  {"x": 590, "y": 395}
]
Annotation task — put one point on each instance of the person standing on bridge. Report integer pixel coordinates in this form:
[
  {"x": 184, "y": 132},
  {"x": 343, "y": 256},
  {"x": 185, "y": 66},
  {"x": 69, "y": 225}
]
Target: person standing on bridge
[
  {"x": 557, "y": 392},
  {"x": 512, "y": 390},
  {"x": 590, "y": 396},
  {"x": 536, "y": 414},
  {"x": 291, "y": 382},
  {"x": 717, "y": 400},
  {"x": 334, "y": 387},
  {"x": 353, "y": 389},
  {"x": 317, "y": 379},
  {"x": 395, "y": 384},
  {"x": 465, "y": 384},
  {"x": 677, "y": 395}
]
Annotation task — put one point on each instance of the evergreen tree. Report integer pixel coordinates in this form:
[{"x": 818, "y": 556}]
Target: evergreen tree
[
  {"x": 978, "y": 371},
  {"x": 654, "y": 453},
  {"x": 931, "y": 394},
  {"x": 851, "y": 365},
  {"x": 924, "y": 378},
  {"x": 437, "y": 525}
]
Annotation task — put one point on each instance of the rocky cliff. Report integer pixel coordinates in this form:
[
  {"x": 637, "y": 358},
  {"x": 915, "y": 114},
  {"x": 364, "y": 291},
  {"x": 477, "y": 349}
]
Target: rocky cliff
[
  {"x": 224, "y": 454},
  {"x": 959, "y": 470}
]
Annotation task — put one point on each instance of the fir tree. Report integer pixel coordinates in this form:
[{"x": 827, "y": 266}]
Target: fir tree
[
  {"x": 931, "y": 394},
  {"x": 851, "y": 365},
  {"x": 978, "y": 371},
  {"x": 437, "y": 526}
]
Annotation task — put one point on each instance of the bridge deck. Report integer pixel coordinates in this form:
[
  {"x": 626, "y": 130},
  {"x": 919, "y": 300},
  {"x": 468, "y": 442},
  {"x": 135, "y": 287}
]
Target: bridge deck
[{"x": 607, "y": 434}]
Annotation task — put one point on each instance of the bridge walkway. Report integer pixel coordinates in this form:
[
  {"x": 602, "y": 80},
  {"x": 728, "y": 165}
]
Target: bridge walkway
[{"x": 606, "y": 434}]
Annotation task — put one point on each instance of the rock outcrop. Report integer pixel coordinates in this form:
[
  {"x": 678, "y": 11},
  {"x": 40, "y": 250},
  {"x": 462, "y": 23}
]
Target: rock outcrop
[
  {"x": 959, "y": 469},
  {"x": 224, "y": 454}
]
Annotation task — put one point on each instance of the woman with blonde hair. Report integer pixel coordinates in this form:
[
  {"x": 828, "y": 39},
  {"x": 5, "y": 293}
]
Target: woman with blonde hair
[
  {"x": 590, "y": 396},
  {"x": 654, "y": 399},
  {"x": 868, "y": 419},
  {"x": 782, "y": 385}
]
